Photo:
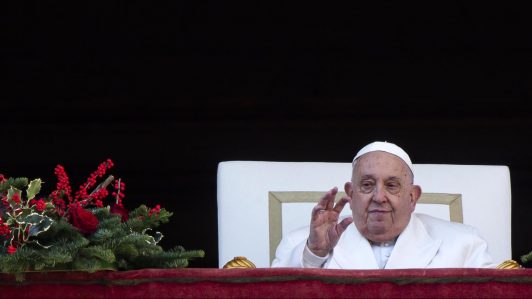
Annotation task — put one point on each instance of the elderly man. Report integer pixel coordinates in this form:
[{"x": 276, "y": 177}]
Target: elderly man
[{"x": 386, "y": 234}]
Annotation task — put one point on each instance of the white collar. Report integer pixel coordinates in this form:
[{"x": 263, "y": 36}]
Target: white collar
[{"x": 383, "y": 244}]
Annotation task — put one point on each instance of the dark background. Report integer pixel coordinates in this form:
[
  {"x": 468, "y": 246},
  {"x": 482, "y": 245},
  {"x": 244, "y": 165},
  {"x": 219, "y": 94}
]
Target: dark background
[{"x": 169, "y": 89}]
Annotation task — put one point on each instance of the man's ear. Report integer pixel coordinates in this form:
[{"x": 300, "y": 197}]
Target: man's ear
[
  {"x": 414, "y": 195},
  {"x": 348, "y": 188}
]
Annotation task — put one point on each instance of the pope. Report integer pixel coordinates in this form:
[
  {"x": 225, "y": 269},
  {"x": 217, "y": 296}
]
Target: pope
[{"x": 383, "y": 232}]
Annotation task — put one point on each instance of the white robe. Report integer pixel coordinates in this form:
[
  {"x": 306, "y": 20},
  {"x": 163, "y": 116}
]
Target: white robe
[{"x": 426, "y": 242}]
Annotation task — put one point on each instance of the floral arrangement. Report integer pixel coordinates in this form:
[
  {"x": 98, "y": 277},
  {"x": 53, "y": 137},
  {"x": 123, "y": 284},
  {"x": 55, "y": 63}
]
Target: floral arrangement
[
  {"x": 65, "y": 231},
  {"x": 526, "y": 258}
]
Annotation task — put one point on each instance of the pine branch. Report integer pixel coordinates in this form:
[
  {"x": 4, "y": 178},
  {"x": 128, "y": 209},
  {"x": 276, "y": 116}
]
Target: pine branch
[
  {"x": 527, "y": 258},
  {"x": 18, "y": 183},
  {"x": 176, "y": 258}
]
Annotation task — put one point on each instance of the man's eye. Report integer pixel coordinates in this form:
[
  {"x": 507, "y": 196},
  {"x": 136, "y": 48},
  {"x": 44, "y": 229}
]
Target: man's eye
[
  {"x": 393, "y": 187},
  {"x": 366, "y": 186}
]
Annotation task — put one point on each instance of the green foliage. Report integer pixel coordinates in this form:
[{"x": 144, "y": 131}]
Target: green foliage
[
  {"x": 140, "y": 218},
  {"x": 39, "y": 234},
  {"x": 24, "y": 219},
  {"x": 33, "y": 188},
  {"x": 175, "y": 258},
  {"x": 17, "y": 183},
  {"x": 62, "y": 243},
  {"x": 114, "y": 246},
  {"x": 94, "y": 258},
  {"x": 527, "y": 258}
]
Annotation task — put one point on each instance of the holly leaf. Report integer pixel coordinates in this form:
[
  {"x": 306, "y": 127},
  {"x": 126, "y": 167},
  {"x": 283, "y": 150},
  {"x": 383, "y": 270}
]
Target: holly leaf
[
  {"x": 39, "y": 223},
  {"x": 155, "y": 238},
  {"x": 37, "y": 242},
  {"x": 22, "y": 214},
  {"x": 33, "y": 188}
]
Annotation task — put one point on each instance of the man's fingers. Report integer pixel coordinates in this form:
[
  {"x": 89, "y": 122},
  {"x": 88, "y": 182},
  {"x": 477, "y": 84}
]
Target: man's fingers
[
  {"x": 341, "y": 204},
  {"x": 327, "y": 200},
  {"x": 326, "y": 203},
  {"x": 342, "y": 226},
  {"x": 330, "y": 197},
  {"x": 316, "y": 212}
]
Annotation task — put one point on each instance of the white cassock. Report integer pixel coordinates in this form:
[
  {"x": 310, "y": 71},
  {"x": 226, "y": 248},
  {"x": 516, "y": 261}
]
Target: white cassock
[{"x": 426, "y": 242}]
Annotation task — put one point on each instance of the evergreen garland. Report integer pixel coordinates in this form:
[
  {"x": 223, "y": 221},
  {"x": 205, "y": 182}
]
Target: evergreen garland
[
  {"x": 527, "y": 258},
  {"x": 80, "y": 234}
]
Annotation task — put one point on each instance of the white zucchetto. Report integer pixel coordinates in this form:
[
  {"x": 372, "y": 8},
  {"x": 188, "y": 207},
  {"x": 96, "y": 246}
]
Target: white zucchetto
[{"x": 386, "y": 147}]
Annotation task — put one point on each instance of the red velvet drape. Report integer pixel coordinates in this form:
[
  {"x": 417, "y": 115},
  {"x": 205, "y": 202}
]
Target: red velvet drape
[{"x": 271, "y": 283}]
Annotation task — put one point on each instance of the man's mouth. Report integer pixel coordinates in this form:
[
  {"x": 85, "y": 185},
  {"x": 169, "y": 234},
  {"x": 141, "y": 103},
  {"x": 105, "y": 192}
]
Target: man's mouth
[
  {"x": 379, "y": 211},
  {"x": 379, "y": 215}
]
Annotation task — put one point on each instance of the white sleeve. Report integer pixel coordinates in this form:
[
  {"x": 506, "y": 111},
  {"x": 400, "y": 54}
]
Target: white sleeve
[
  {"x": 310, "y": 260},
  {"x": 478, "y": 255},
  {"x": 289, "y": 253}
]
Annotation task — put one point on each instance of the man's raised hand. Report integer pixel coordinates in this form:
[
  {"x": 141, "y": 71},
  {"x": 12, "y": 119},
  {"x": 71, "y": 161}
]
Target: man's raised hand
[{"x": 325, "y": 231}]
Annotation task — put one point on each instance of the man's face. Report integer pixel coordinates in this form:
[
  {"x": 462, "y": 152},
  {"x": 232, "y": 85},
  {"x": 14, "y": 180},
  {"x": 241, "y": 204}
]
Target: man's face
[{"x": 382, "y": 195}]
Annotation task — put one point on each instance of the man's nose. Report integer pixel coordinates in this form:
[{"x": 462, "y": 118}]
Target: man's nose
[{"x": 379, "y": 194}]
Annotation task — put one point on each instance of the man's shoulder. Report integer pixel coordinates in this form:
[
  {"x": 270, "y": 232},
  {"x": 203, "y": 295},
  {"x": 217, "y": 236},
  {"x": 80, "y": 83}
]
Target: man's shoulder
[{"x": 441, "y": 228}]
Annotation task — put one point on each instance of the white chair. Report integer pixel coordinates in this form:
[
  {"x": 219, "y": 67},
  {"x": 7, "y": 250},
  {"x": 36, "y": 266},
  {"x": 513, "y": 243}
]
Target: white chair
[{"x": 259, "y": 201}]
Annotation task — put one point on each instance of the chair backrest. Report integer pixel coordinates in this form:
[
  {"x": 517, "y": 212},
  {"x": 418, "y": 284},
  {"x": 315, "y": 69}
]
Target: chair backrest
[{"x": 259, "y": 201}]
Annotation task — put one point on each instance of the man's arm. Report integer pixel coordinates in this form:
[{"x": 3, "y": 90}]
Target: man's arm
[
  {"x": 310, "y": 248},
  {"x": 478, "y": 255}
]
